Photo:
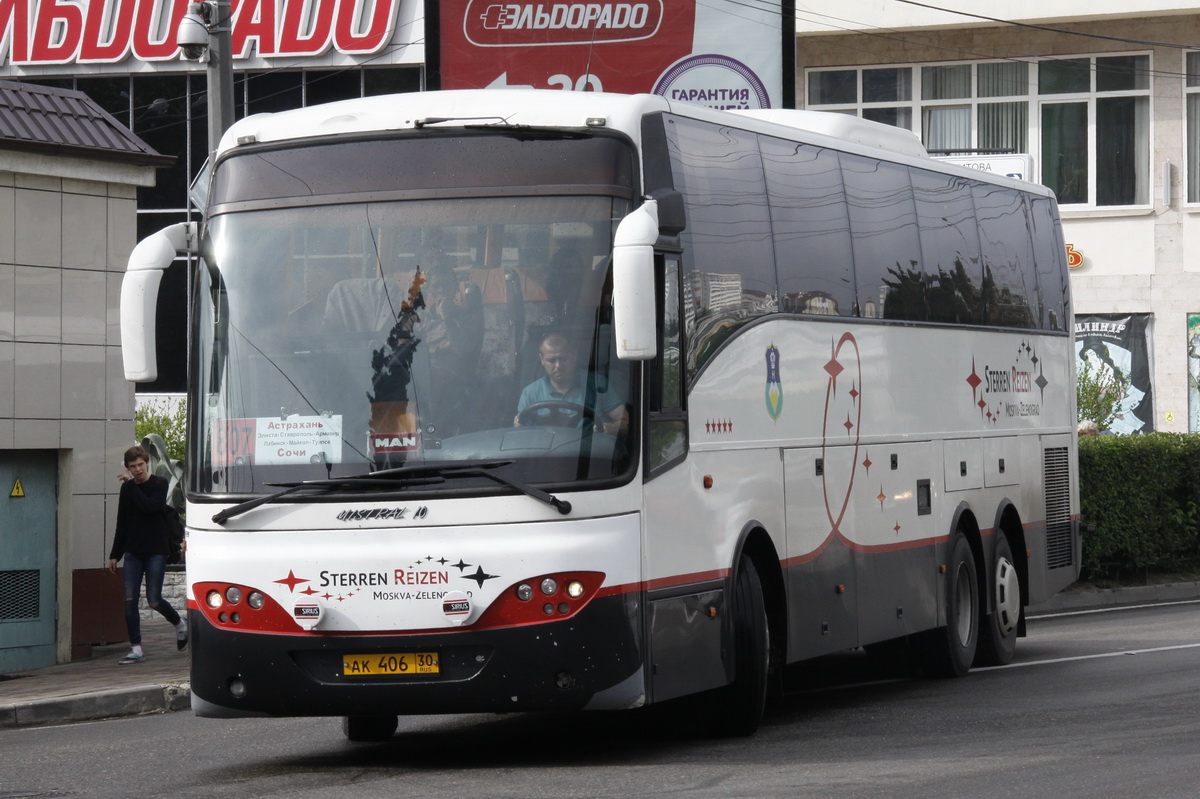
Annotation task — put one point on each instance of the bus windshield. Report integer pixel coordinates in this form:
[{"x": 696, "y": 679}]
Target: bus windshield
[{"x": 339, "y": 339}]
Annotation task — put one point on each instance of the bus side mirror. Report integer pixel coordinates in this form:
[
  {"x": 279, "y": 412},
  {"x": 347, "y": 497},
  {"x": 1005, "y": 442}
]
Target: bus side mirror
[
  {"x": 139, "y": 297},
  {"x": 633, "y": 284}
]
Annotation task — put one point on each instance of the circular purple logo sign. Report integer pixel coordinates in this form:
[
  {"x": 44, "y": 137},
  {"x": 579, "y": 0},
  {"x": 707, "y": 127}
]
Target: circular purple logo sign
[{"x": 712, "y": 80}]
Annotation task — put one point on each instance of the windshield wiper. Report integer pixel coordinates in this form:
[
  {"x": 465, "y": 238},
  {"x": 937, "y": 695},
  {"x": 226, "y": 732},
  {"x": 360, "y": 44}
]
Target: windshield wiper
[
  {"x": 410, "y": 475},
  {"x": 480, "y": 470}
]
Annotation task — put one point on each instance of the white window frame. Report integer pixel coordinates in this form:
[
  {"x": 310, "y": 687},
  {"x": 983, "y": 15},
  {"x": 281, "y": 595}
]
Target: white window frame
[{"x": 1034, "y": 102}]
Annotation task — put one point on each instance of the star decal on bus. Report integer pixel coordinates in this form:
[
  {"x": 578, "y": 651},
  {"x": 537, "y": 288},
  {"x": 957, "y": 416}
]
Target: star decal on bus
[
  {"x": 480, "y": 576},
  {"x": 291, "y": 581}
]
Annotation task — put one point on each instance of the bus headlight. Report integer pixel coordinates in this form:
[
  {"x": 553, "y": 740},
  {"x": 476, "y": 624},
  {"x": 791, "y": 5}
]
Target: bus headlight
[
  {"x": 256, "y": 600},
  {"x": 549, "y": 586},
  {"x": 574, "y": 589},
  {"x": 233, "y": 595},
  {"x": 214, "y": 599},
  {"x": 524, "y": 592}
]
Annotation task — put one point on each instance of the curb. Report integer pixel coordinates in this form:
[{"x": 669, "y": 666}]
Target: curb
[
  {"x": 98, "y": 705},
  {"x": 1107, "y": 598}
]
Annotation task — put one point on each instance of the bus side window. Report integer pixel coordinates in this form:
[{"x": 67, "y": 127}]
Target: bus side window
[
  {"x": 666, "y": 435},
  {"x": 1009, "y": 271}
]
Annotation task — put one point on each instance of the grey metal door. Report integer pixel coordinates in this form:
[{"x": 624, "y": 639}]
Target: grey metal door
[{"x": 28, "y": 558}]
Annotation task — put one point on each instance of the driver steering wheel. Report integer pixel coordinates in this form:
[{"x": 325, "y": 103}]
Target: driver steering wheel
[{"x": 556, "y": 413}]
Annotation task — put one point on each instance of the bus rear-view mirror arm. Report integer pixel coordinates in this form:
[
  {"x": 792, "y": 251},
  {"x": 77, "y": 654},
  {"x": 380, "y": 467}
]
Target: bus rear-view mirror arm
[
  {"x": 139, "y": 296},
  {"x": 633, "y": 284}
]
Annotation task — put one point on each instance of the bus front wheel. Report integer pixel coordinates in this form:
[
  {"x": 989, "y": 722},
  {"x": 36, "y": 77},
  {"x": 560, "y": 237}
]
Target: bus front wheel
[
  {"x": 361, "y": 729},
  {"x": 741, "y": 704}
]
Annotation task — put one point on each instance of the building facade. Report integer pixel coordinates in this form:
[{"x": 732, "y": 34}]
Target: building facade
[
  {"x": 1105, "y": 98},
  {"x": 69, "y": 177}
]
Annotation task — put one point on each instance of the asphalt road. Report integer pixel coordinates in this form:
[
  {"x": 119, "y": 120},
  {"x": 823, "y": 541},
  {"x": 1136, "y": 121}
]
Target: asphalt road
[{"x": 1096, "y": 704}]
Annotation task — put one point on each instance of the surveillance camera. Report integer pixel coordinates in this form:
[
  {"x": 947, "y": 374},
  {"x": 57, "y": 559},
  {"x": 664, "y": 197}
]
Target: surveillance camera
[{"x": 192, "y": 36}]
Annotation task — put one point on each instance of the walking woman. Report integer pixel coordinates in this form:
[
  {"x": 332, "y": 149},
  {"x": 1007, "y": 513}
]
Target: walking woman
[{"x": 142, "y": 540}]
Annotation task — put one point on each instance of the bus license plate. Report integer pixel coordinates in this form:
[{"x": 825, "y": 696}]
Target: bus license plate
[{"x": 405, "y": 663}]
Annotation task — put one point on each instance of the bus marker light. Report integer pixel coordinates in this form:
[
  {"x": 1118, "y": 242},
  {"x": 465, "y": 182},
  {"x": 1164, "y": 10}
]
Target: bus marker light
[
  {"x": 708, "y": 481},
  {"x": 307, "y": 613}
]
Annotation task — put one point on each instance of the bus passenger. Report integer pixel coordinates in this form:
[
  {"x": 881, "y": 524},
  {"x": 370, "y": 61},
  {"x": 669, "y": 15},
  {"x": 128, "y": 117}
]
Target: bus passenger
[{"x": 565, "y": 385}]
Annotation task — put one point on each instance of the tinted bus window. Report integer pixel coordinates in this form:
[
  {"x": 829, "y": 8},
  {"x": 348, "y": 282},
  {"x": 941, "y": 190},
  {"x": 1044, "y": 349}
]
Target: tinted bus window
[
  {"x": 1009, "y": 273},
  {"x": 1052, "y": 288},
  {"x": 949, "y": 247},
  {"x": 811, "y": 227},
  {"x": 883, "y": 229},
  {"x": 729, "y": 260}
]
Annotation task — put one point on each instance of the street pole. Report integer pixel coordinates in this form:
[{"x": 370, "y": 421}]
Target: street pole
[{"x": 220, "y": 76}]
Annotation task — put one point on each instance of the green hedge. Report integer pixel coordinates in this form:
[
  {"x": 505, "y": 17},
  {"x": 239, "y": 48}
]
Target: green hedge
[{"x": 1140, "y": 494}]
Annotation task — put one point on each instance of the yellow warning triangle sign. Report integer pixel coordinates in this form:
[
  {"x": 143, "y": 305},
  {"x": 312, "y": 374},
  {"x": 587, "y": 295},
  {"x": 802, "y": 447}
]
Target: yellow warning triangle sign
[{"x": 18, "y": 489}]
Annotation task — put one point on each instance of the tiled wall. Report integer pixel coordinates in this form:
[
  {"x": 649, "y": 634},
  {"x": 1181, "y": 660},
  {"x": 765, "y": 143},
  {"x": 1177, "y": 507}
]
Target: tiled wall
[{"x": 63, "y": 247}]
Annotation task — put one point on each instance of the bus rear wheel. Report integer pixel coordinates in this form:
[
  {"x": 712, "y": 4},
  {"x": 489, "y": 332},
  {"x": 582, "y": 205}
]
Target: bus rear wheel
[
  {"x": 740, "y": 705},
  {"x": 999, "y": 639},
  {"x": 950, "y": 650},
  {"x": 362, "y": 729}
]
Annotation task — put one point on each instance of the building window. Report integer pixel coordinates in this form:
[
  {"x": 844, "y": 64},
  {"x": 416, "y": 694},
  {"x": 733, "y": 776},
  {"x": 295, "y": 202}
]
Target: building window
[
  {"x": 1085, "y": 119},
  {"x": 1192, "y": 90}
]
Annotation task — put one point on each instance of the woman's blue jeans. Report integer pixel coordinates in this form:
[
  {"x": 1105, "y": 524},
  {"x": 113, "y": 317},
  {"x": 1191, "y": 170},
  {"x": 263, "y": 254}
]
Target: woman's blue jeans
[{"x": 153, "y": 567}]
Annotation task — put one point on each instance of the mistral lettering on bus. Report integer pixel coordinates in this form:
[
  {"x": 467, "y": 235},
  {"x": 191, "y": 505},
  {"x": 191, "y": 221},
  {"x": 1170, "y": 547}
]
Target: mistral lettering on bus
[
  {"x": 490, "y": 24},
  {"x": 63, "y": 32}
]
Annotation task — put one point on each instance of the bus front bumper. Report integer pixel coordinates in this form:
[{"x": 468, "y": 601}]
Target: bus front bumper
[{"x": 591, "y": 660}]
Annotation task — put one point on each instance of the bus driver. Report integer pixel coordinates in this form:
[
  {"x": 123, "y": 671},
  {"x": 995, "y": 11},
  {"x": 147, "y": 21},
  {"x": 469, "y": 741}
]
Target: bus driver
[{"x": 567, "y": 395}]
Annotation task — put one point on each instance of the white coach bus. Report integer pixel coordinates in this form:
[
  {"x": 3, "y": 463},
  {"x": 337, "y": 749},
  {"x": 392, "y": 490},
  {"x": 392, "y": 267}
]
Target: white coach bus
[{"x": 519, "y": 400}]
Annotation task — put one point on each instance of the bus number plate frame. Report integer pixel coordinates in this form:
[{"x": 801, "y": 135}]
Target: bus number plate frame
[{"x": 391, "y": 664}]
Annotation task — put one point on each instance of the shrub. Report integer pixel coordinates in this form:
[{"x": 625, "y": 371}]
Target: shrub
[
  {"x": 167, "y": 418},
  {"x": 1139, "y": 494}
]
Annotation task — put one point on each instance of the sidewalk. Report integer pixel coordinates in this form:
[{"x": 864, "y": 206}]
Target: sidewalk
[{"x": 100, "y": 688}]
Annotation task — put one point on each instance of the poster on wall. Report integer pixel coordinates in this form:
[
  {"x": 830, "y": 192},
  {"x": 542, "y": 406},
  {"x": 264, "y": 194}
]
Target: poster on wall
[
  {"x": 722, "y": 54},
  {"x": 1193, "y": 354},
  {"x": 1118, "y": 344}
]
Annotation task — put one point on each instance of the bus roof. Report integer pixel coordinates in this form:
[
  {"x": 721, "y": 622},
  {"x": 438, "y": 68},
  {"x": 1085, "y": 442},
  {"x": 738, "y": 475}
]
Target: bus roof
[{"x": 545, "y": 108}]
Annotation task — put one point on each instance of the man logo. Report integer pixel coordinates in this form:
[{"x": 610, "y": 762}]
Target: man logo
[{"x": 391, "y": 443}]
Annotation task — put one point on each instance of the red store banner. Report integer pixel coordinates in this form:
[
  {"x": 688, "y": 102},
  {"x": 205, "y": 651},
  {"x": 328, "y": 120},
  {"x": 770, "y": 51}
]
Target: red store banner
[
  {"x": 721, "y": 54},
  {"x": 37, "y": 33}
]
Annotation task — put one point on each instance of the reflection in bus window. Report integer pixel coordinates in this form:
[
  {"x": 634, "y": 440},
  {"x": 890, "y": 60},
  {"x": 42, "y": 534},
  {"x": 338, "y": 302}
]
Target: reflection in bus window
[
  {"x": 731, "y": 278},
  {"x": 811, "y": 228},
  {"x": 949, "y": 247}
]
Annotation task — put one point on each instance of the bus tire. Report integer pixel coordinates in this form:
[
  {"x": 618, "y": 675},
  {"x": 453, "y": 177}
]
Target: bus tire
[
  {"x": 998, "y": 640},
  {"x": 362, "y": 729},
  {"x": 950, "y": 650},
  {"x": 741, "y": 703}
]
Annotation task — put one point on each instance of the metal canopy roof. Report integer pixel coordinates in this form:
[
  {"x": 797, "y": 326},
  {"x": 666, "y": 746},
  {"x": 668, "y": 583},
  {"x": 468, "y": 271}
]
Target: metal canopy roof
[{"x": 53, "y": 121}]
